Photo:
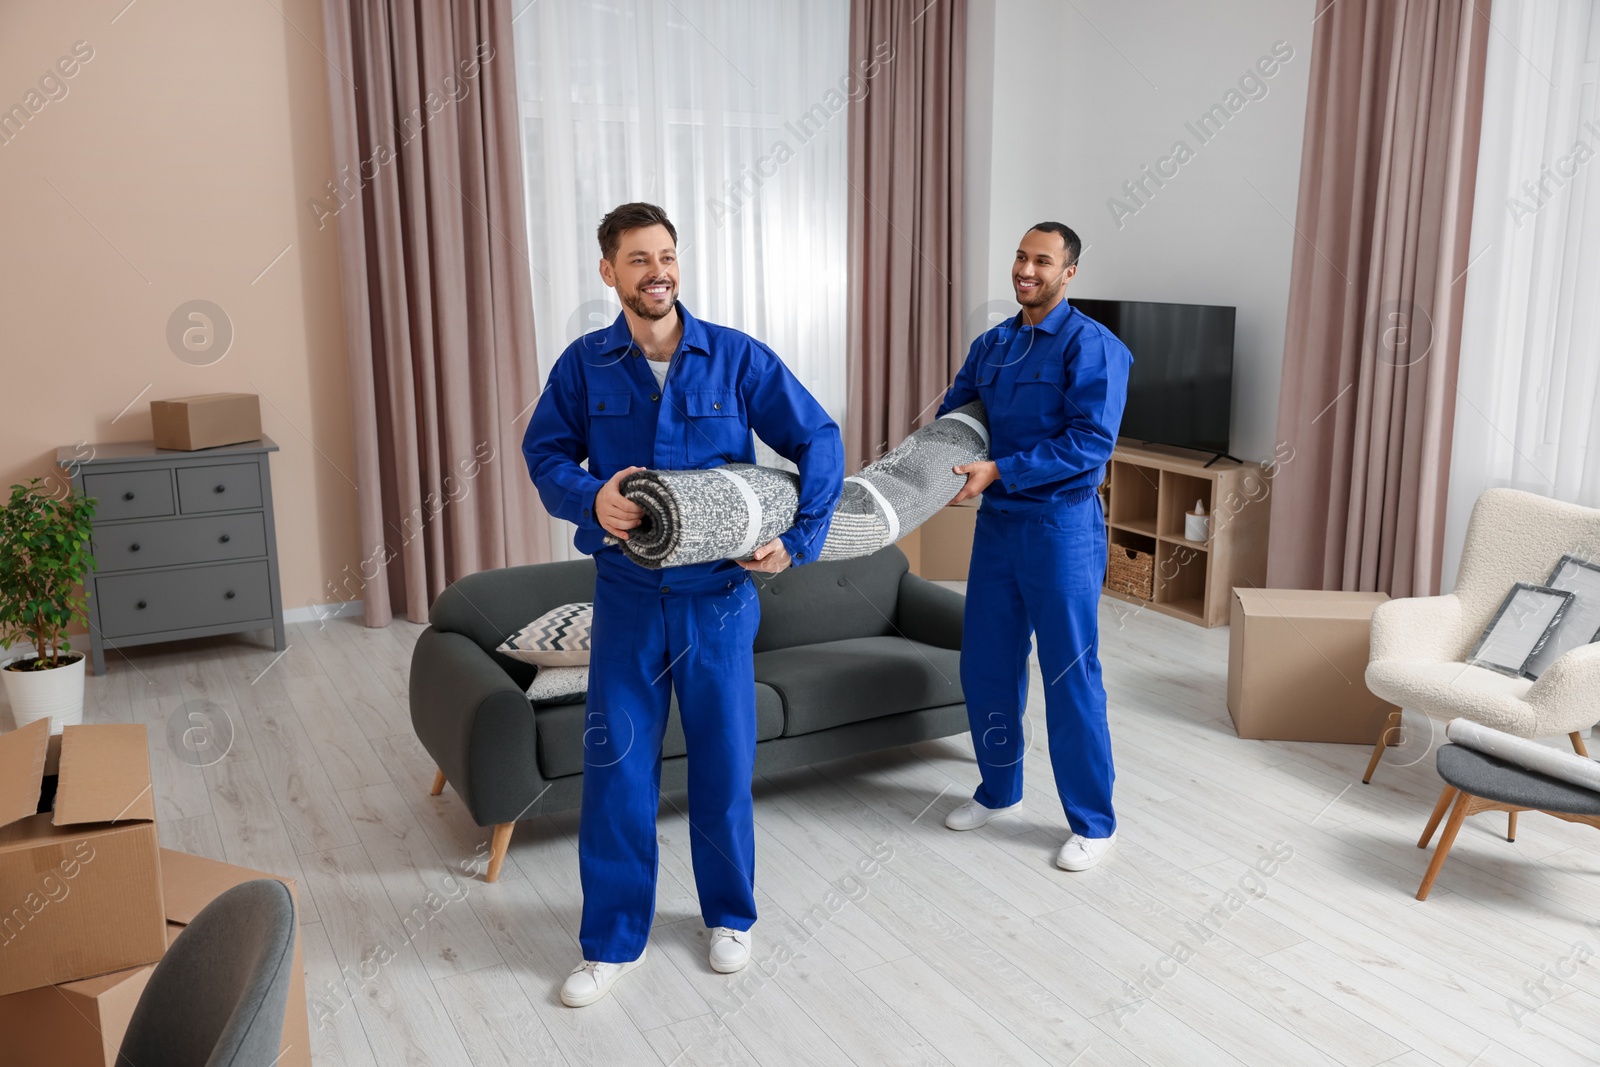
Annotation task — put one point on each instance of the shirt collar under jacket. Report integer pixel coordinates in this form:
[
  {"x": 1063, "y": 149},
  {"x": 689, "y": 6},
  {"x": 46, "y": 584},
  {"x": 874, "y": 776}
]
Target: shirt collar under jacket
[
  {"x": 617, "y": 337},
  {"x": 1051, "y": 323}
]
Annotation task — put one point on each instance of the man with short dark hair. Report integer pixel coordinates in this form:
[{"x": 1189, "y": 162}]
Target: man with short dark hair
[
  {"x": 1054, "y": 383},
  {"x": 662, "y": 389}
]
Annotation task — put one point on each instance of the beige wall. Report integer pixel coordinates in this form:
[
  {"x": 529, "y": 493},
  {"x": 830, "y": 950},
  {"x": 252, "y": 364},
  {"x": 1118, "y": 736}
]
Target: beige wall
[{"x": 177, "y": 166}]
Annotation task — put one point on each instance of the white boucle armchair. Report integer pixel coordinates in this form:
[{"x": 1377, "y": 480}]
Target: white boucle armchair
[{"x": 1420, "y": 645}]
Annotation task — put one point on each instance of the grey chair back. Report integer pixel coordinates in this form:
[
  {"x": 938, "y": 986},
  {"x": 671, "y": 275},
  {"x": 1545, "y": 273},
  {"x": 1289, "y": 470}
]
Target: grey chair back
[{"x": 218, "y": 996}]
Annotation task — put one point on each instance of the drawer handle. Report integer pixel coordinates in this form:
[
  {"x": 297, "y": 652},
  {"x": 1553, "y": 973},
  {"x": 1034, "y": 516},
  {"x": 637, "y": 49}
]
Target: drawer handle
[
  {"x": 134, "y": 547},
  {"x": 128, "y": 495},
  {"x": 228, "y": 595},
  {"x": 140, "y": 605},
  {"x": 220, "y": 488},
  {"x": 224, "y": 539}
]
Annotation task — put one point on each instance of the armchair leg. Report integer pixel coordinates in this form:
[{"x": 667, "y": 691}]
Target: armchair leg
[
  {"x": 1511, "y": 827},
  {"x": 1578, "y": 745},
  {"x": 497, "y": 850},
  {"x": 438, "y": 784},
  {"x": 1445, "y": 798},
  {"x": 1458, "y": 815},
  {"x": 1383, "y": 740}
]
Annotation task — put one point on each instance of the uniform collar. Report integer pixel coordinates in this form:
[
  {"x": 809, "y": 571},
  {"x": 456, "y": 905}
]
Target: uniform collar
[
  {"x": 618, "y": 337},
  {"x": 1051, "y": 322}
]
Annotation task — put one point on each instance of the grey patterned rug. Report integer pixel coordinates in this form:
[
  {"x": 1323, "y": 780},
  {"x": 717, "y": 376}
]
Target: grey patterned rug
[{"x": 728, "y": 512}]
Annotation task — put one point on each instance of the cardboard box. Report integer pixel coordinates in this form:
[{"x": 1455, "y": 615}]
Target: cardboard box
[
  {"x": 80, "y": 1024},
  {"x": 1297, "y": 663},
  {"x": 80, "y": 886},
  {"x": 941, "y": 548},
  {"x": 190, "y": 423}
]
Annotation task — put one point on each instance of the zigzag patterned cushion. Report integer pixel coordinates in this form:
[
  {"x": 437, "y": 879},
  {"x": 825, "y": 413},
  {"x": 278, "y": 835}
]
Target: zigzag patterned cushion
[{"x": 558, "y": 638}]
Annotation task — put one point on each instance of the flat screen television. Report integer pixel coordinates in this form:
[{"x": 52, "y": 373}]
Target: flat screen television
[{"x": 1180, "y": 390}]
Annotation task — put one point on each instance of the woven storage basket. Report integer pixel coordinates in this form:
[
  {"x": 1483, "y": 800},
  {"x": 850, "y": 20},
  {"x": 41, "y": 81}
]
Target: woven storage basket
[{"x": 1131, "y": 572}]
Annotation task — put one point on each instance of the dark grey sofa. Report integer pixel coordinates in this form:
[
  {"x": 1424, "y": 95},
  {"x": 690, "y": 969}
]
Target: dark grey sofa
[{"x": 851, "y": 657}]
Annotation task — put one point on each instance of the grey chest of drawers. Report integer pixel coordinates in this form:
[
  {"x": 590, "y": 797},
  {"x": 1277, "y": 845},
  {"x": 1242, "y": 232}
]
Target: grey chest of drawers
[{"x": 184, "y": 544}]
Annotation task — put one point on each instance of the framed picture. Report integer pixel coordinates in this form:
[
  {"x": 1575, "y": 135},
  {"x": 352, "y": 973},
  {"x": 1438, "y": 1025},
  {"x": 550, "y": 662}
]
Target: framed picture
[
  {"x": 1581, "y": 623},
  {"x": 1522, "y": 626}
]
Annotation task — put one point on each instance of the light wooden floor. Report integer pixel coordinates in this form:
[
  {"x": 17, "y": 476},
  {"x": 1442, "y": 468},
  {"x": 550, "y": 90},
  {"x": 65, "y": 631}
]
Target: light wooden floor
[{"x": 957, "y": 949}]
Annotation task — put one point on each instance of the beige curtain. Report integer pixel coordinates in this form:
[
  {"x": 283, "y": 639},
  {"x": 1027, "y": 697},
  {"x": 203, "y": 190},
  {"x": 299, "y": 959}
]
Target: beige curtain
[
  {"x": 1375, "y": 297},
  {"x": 905, "y": 342},
  {"x": 427, "y": 203}
]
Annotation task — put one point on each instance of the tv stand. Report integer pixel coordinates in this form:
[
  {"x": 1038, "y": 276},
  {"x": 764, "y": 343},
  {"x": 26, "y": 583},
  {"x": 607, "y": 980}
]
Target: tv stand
[
  {"x": 1148, "y": 490},
  {"x": 1215, "y": 455}
]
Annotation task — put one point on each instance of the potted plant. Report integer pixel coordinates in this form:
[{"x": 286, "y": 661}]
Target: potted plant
[{"x": 44, "y": 554}]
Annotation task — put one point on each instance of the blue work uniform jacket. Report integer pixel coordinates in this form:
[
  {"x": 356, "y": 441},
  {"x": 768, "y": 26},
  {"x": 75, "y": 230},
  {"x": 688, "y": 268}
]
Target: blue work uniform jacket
[
  {"x": 602, "y": 404},
  {"x": 1054, "y": 394}
]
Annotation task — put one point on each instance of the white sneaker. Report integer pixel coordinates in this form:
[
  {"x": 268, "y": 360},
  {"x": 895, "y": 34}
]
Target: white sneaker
[
  {"x": 591, "y": 980},
  {"x": 972, "y": 815},
  {"x": 1080, "y": 853},
  {"x": 730, "y": 949}
]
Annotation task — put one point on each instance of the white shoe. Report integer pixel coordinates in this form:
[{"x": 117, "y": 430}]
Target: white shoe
[
  {"x": 591, "y": 980},
  {"x": 1080, "y": 853},
  {"x": 730, "y": 949},
  {"x": 972, "y": 815}
]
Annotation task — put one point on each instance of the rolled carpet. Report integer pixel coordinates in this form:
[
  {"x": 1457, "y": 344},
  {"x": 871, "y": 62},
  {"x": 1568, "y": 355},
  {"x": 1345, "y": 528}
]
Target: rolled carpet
[
  {"x": 1567, "y": 766},
  {"x": 728, "y": 512}
]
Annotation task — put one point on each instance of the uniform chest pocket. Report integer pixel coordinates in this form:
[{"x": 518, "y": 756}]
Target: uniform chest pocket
[
  {"x": 717, "y": 432},
  {"x": 711, "y": 403},
  {"x": 1038, "y": 400},
  {"x": 611, "y": 432},
  {"x": 604, "y": 404}
]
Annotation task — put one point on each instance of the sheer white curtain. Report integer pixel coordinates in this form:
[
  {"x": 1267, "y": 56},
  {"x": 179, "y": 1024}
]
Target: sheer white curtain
[
  {"x": 1528, "y": 403},
  {"x": 730, "y": 114}
]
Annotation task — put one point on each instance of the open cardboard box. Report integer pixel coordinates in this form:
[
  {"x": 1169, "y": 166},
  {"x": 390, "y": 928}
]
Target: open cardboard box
[
  {"x": 80, "y": 885},
  {"x": 80, "y": 1024}
]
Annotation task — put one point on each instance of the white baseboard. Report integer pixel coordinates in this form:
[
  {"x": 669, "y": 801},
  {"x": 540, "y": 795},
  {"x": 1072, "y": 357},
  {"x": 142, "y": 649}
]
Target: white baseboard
[
  {"x": 317, "y": 612},
  {"x": 310, "y": 613}
]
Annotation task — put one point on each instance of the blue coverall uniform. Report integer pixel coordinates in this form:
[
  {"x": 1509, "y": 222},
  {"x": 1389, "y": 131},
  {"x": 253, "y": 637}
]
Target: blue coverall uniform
[
  {"x": 1054, "y": 394},
  {"x": 690, "y": 627}
]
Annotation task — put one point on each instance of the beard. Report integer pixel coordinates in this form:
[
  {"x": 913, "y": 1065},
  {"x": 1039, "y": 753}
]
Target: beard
[
  {"x": 644, "y": 307},
  {"x": 1044, "y": 294}
]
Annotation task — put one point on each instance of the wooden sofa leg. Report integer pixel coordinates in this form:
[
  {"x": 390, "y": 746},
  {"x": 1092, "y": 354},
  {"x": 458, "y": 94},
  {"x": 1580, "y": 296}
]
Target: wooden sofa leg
[
  {"x": 1458, "y": 815},
  {"x": 1511, "y": 827},
  {"x": 438, "y": 784},
  {"x": 497, "y": 850},
  {"x": 1445, "y": 798},
  {"x": 1383, "y": 740},
  {"x": 1578, "y": 745}
]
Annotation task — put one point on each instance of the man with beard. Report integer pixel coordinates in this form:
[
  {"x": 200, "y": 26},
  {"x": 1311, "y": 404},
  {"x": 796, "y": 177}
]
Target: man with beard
[
  {"x": 1054, "y": 383},
  {"x": 662, "y": 389}
]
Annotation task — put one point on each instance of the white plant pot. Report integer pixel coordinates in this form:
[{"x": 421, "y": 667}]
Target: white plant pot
[{"x": 55, "y": 694}]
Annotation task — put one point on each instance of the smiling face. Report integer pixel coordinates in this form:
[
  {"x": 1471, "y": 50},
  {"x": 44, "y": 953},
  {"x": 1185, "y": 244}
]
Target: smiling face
[
  {"x": 644, "y": 271},
  {"x": 1040, "y": 274}
]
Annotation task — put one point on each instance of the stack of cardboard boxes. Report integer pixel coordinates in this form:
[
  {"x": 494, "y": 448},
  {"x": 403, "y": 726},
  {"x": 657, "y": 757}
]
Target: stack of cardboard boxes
[{"x": 89, "y": 901}]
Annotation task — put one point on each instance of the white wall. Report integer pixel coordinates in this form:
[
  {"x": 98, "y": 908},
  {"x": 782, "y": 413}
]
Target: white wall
[{"x": 1068, "y": 101}]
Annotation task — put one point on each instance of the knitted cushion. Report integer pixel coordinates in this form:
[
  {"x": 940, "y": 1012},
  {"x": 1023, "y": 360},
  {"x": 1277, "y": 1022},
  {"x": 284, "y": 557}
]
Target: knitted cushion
[
  {"x": 558, "y": 638},
  {"x": 559, "y": 685}
]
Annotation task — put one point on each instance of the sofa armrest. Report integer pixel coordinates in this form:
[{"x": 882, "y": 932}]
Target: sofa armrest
[
  {"x": 1418, "y": 629},
  {"x": 1566, "y": 696},
  {"x": 476, "y": 724},
  {"x": 930, "y": 613}
]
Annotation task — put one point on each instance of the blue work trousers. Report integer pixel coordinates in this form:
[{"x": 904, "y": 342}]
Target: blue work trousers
[
  {"x": 1039, "y": 573},
  {"x": 644, "y": 641}
]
